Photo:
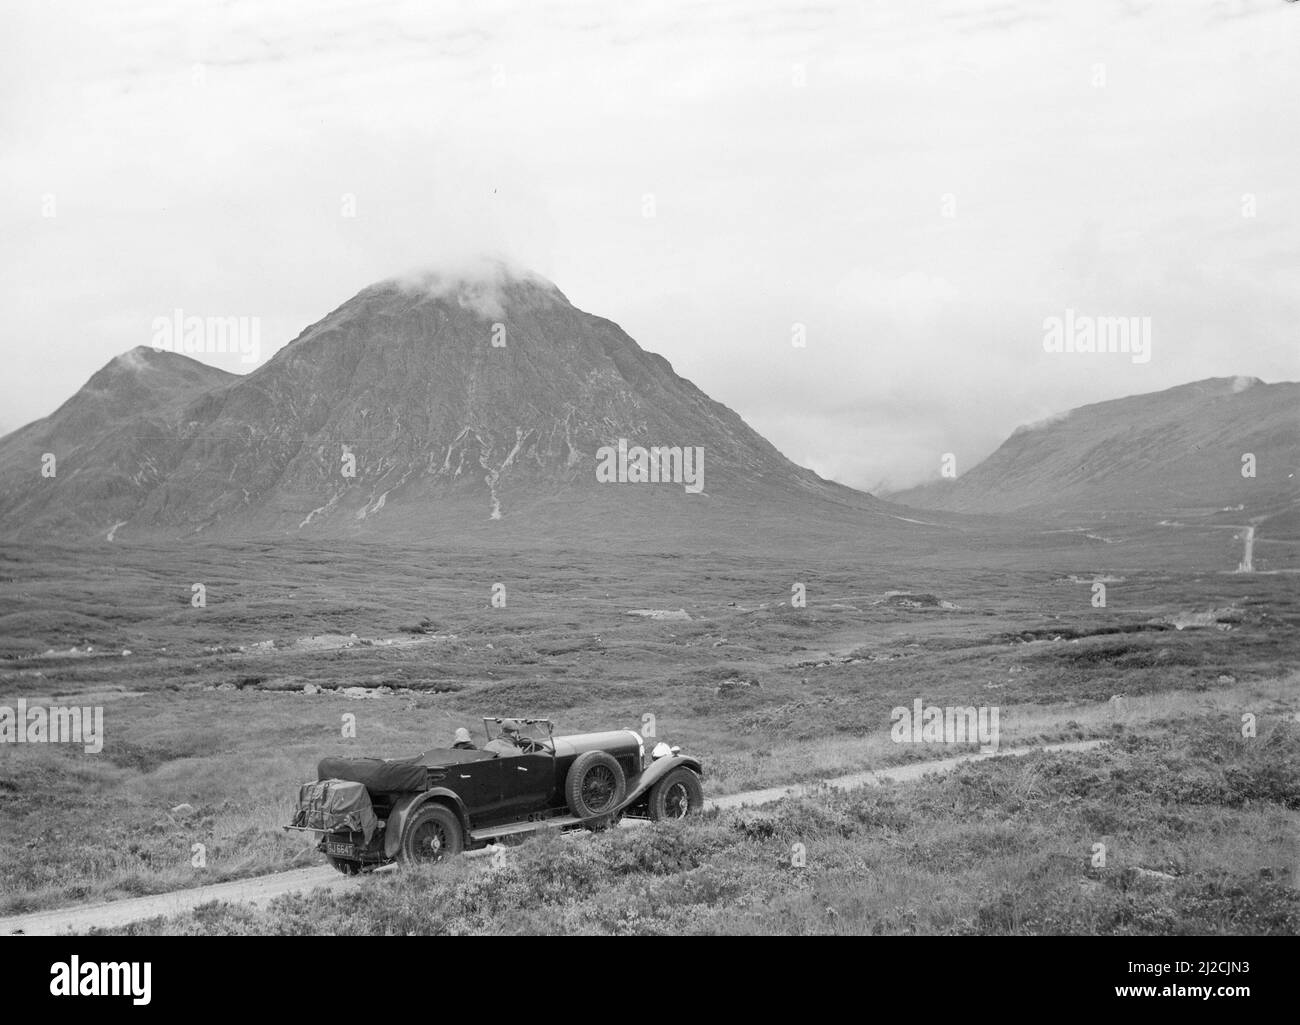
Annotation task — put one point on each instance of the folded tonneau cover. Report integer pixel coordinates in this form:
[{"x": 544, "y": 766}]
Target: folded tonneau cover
[{"x": 398, "y": 776}]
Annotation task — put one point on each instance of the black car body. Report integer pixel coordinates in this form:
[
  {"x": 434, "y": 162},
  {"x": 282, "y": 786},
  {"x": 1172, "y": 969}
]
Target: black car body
[{"x": 446, "y": 800}]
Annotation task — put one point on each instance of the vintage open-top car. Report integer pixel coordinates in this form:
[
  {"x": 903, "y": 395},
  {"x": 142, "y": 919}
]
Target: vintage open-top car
[{"x": 371, "y": 812}]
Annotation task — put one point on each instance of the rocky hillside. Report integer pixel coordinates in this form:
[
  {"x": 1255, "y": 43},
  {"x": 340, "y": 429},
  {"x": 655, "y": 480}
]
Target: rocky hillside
[{"x": 1175, "y": 452}]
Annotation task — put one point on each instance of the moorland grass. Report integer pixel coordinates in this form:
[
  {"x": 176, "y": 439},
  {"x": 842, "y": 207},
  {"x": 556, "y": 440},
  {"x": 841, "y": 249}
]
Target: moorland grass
[
  {"x": 996, "y": 847},
  {"x": 203, "y": 712}
]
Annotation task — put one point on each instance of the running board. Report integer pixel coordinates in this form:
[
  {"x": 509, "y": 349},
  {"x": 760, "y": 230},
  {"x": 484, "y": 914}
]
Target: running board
[{"x": 514, "y": 828}]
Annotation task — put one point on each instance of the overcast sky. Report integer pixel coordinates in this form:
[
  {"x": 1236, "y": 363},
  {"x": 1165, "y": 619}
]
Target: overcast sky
[{"x": 920, "y": 184}]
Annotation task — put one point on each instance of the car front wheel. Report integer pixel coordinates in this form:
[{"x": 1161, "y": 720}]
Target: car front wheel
[{"x": 677, "y": 795}]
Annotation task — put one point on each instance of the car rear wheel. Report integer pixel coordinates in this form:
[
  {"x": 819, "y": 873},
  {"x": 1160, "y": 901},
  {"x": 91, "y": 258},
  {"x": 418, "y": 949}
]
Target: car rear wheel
[
  {"x": 433, "y": 833},
  {"x": 595, "y": 785},
  {"x": 677, "y": 795}
]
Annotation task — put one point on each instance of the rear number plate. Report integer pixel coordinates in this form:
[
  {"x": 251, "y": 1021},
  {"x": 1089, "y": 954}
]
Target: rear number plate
[{"x": 340, "y": 850}]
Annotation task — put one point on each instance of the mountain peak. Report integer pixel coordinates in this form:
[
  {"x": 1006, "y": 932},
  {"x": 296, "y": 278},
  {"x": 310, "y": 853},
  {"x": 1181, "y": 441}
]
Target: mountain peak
[
  {"x": 146, "y": 367},
  {"x": 443, "y": 399},
  {"x": 485, "y": 285},
  {"x": 147, "y": 358},
  {"x": 138, "y": 358}
]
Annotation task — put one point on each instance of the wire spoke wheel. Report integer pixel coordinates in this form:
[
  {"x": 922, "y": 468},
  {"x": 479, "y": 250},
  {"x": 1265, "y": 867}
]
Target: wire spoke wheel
[
  {"x": 598, "y": 788},
  {"x": 677, "y": 795},
  {"x": 429, "y": 841},
  {"x": 433, "y": 833},
  {"x": 677, "y": 801},
  {"x": 595, "y": 785}
]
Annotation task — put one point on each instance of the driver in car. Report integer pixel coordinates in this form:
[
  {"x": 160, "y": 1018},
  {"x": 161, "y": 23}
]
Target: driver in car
[{"x": 508, "y": 743}]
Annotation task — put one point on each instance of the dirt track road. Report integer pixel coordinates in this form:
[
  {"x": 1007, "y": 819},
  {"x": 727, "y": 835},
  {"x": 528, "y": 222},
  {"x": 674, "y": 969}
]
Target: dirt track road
[{"x": 261, "y": 889}]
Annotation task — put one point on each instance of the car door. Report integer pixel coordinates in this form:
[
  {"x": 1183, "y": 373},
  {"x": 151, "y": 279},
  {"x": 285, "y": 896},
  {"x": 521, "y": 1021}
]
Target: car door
[
  {"x": 527, "y": 781},
  {"x": 479, "y": 785}
]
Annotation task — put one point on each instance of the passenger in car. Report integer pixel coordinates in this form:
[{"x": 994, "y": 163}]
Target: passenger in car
[{"x": 462, "y": 741}]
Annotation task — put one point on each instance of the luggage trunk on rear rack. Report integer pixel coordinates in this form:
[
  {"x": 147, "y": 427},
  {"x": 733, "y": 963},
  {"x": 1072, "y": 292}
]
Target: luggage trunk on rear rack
[{"x": 336, "y": 805}]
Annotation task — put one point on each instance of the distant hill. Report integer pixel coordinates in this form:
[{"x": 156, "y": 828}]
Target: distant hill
[
  {"x": 1172, "y": 452},
  {"x": 110, "y": 443},
  {"x": 461, "y": 403}
]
